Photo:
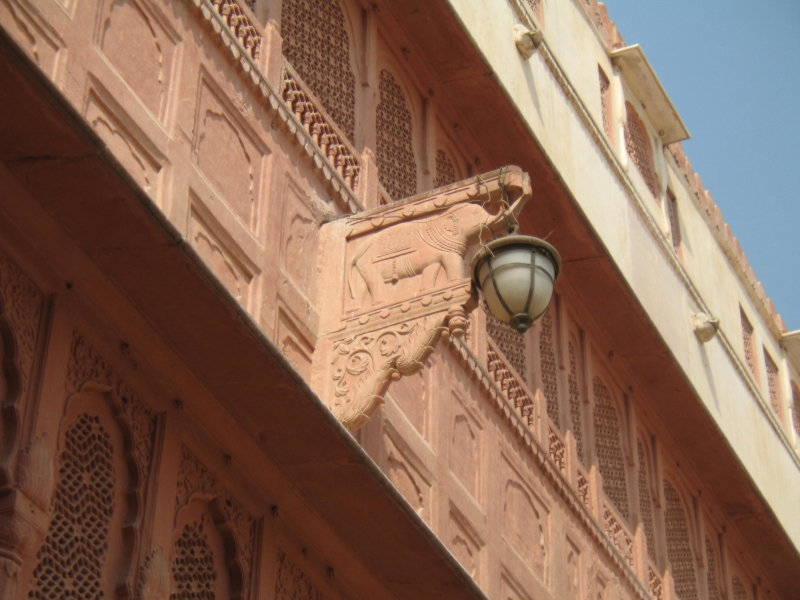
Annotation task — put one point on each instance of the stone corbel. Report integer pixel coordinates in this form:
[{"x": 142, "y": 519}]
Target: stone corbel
[{"x": 396, "y": 282}]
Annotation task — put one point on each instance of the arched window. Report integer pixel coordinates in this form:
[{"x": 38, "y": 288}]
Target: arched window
[
  {"x": 748, "y": 339},
  {"x": 316, "y": 43},
  {"x": 645, "y": 500},
  {"x": 608, "y": 447},
  {"x": 679, "y": 550},
  {"x": 640, "y": 149},
  {"x": 397, "y": 167},
  {"x": 605, "y": 103},
  {"x": 85, "y": 546},
  {"x": 773, "y": 383},
  {"x": 199, "y": 571},
  {"x": 214, "y": 537}
]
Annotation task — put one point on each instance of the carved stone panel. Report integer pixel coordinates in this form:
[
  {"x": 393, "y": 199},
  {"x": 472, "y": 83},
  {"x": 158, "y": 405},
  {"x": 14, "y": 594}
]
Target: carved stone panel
[
  {"x": 230, "y": 268},
  {"x": 300, "y": 240},
  {"x": 524, "y": 522},
  {"x": 35, "y": 35},
  {"x": 411, "y": 395},
  {"x": 406, "y": 477},
  {"x": 465, "y": 448},
  {"x": 404, "y": 286},
  {"x": 573, "y": 571},
  {"x": 199, "y": 556},
  {"x": 294, "y": 344},
  {"x": 511, "y": 590},
  {"x": 137, "y": 45},
  {"x": 412, "y": 258},
  {"x": 292, "y": 583},
  {"x": 228, "y": 156},
  {"x": 463, "y": 543},
  {"x": 141, "y": 164},
  {"x": 21, "y": 305},
  {"x": 87, "y": 366}
]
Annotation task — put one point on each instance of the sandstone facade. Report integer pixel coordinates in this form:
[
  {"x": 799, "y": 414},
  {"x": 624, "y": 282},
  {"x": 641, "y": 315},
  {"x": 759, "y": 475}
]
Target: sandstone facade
[{"x": 242, "y": 356}]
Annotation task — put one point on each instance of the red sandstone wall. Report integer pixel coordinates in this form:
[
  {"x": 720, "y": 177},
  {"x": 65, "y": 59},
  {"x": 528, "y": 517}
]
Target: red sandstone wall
[{"x": 487, "y": 454}]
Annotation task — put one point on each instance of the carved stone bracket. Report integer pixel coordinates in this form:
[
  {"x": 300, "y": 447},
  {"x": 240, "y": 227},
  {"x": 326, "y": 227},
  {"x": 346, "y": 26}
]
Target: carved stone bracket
[
  {"x": 365, "y": 364},
  {"x": 398, "y": 282}
]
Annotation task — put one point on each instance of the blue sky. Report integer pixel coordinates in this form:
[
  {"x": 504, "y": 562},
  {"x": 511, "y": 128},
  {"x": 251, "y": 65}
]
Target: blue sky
[{"x": 732, "y": 70}]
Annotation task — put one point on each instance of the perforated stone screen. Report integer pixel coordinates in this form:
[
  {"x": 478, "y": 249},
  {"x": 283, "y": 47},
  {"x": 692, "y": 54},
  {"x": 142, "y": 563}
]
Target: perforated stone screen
[
  {"x": 645, "y": 502},
  {"x": 445, "y": 171},
  {"x": 575, "y": 410},
  {"x": 609, "y": 448},
  {"x": 773, "y": 383},
  {"x": 548, "y": 365},
  {"x": 71, "y": 561},
  {"x": 193, "y": 570},
  {"x": 738, "y": 589},
  {"x": 679, "y": 550},
  {"x": 397, "y": 167},
  {"x": 749, "y": 344},
  {"x": 511, "y": 343},
  {"x": 711, "y": 573},
  {"x": 316, "y": 43},
  {"x": 605, "y": 102}
]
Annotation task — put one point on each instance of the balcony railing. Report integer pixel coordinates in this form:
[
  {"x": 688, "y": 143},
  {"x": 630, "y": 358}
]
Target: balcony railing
[
  {"x": 514, "y": 389},
  {"x": 618, "y": 533},
  {"x": 325, "y": 133}
]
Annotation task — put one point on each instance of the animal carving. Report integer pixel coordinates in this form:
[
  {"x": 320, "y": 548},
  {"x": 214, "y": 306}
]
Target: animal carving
[{"x": 416, "y": 248}]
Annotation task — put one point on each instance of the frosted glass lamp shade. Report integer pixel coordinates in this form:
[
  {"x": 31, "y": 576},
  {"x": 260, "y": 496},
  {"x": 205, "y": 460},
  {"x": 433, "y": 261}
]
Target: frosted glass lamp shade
[{"x": 517, "y": 274}]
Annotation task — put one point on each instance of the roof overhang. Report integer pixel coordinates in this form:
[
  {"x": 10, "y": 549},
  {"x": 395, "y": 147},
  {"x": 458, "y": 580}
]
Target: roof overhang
[{"x": 643, "y": 81}]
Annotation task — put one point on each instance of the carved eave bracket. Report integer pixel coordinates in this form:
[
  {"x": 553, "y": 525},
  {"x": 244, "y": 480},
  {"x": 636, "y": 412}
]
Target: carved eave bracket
[{"x": 396, "y": 282}]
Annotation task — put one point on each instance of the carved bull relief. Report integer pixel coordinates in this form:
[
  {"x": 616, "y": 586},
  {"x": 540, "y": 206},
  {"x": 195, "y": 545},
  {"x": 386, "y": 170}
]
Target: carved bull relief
[
  {"x": 397, "y": 282},
  {"x": 420, "y": 248}
]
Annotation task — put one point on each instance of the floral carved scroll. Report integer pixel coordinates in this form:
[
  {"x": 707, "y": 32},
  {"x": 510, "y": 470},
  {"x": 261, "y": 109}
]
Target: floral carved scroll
[{"x": 365, "y": 364}]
